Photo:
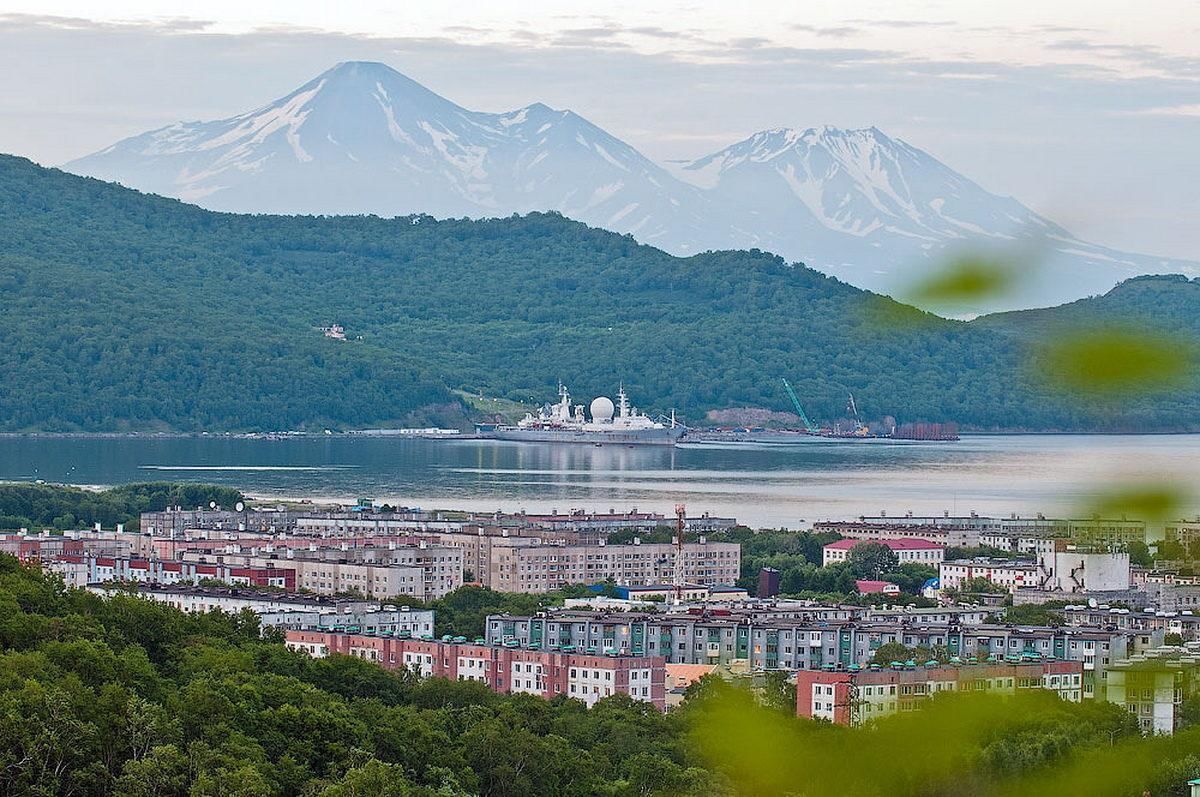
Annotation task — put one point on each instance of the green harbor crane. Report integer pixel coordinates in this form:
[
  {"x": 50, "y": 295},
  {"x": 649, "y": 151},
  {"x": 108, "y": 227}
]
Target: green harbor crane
[{"x": 808, "y": 425}]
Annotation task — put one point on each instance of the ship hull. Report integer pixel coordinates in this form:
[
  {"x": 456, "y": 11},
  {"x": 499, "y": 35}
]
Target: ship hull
[{"x": 633, "y": 437}]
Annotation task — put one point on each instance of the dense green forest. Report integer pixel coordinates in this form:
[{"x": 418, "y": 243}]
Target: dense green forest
[
  {"x": 129, "y": 311},
  {"x": 129, "y": 698},
  {"x": 45, "y": 506}
]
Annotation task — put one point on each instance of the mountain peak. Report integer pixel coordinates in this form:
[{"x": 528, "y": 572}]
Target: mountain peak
[{"x": 359, "y": 67}]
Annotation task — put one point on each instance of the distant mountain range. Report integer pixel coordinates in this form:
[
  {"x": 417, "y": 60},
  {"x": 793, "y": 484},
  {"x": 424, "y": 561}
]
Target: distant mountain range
[
  {"x": 855, "y": 204},
  {"x": 130, "y": 311}
]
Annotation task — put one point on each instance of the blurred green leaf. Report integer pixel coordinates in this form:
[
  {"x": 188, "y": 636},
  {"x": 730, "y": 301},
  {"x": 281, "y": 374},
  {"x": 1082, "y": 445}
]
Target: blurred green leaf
[
  {"x": 1111, "y": 362},
  {"x": 964, "y": 281},
  {"x": 1149, "y": 502}
]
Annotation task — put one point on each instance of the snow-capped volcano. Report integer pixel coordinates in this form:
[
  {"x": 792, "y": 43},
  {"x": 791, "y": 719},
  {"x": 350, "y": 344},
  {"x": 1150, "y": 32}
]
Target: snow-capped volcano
[
  {"x": 857, "y": 204},
  {"x": 363, "y": 138},
  {"x": 880, "y": 213},
  {"x": 858, "y": 183}
]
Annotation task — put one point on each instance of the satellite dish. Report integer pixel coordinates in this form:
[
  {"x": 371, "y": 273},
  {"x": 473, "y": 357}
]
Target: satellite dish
[
  {"x": 1092, "y": 603},
  {"x": 212, "y": 504},
  {"x": 239, "y": 506}
]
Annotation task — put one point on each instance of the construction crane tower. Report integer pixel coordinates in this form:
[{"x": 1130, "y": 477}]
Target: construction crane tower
[
  {"x": 809, "y": 426},
  {"x": 677, "y": 579}
]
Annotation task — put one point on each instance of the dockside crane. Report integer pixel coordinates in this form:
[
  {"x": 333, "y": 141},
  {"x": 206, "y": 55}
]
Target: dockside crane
[{"x": 809, "y": 426}]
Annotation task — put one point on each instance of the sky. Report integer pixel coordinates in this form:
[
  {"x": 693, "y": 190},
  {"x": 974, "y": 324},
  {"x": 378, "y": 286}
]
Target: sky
[{"x": 1087, "y": 111}]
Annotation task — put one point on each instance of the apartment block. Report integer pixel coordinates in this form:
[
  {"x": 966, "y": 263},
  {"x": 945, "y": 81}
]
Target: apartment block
[
  {"x": 510, "y": 564},
  {"x": 80, "y": 571},
  {"x": 907, "y": 549},
  {"x": 798, "y": 644},
  {"x": 504, "y": 669},
  {"x": 861, "y": 696},
  {"x": 1154, "y": 684},
  {"x": 378, "y": 572},
  {"x": 191, "y": 598},
  {"x": 1007, "y": 573}
]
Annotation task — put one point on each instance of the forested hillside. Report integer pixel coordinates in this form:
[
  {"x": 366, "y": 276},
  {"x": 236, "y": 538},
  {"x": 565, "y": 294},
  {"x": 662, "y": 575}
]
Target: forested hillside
[{"x": 129, "y": 311}]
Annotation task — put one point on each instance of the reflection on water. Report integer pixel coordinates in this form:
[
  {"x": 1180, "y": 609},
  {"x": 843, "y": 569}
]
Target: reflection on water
[{"x": 759, "y": 484}]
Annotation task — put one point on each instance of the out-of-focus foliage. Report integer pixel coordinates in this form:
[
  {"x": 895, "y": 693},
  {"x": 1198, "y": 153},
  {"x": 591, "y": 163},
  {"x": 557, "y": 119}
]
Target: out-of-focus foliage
[
  {"x": 965, "y": 281},
  {"x": 1112, "y": 363},
  {"x": 45, "y": 506},
  {"x": 127, "y": 311},
  {"x": 956, "y": 745},
  {"x": 1151, "y": 502}
]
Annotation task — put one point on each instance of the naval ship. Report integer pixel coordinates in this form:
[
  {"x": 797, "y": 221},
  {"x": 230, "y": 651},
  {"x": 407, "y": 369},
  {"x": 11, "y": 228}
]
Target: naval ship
[{"x": 609, "y": 424}]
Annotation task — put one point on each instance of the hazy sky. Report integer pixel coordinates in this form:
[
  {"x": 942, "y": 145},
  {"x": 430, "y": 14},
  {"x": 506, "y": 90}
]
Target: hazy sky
[{"x": 1086, "y": 110}]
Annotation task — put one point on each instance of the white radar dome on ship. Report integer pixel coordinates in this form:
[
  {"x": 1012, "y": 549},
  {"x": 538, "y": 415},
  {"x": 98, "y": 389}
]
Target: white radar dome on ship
[{"x": 602, "y": 409}]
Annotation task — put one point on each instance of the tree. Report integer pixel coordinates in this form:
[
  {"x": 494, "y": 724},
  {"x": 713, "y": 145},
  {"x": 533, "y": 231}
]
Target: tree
[
  {"x": 1035, "y": 614},
  {"x": 779, "y": 692},
  {"x": 871, "y": 560},
  {"x": 1173, "y": 638},
  {"x": 372, "y": 779},
  {"x": 938, "y": 653},
  {"x": 1139, "y": 554},
  {"x": 1169, "y": 550},
  {"x": 888, "y": 652},
  {"x": 981, "y": 585}
]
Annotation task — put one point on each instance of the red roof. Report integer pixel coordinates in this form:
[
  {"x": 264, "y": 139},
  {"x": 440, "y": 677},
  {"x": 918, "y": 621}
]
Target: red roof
[
  {"x": 896, "y": 545},
  {"x": 869, "y": 587}
]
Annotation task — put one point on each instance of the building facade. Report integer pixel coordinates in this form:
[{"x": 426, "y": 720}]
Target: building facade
[
  {"x": 908, "y": 550},
  {"x": 519, "y": 564},
  {"x": 1154, "y": 684},
  {"x": 504, "y": 669},
  {"x": 862, "y": 696}
]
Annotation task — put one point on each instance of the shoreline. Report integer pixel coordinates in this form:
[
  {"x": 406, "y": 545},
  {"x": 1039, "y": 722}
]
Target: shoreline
[{"x": 395, "y": 435}]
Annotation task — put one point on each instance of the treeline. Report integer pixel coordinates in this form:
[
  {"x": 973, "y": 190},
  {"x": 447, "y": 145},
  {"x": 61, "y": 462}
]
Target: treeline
[
  {"x": 46, "y": 506},
  {"x": 798, "y": 556},
  {"x": 123, "y": 697},
  {"x": 128, "y": 311}
]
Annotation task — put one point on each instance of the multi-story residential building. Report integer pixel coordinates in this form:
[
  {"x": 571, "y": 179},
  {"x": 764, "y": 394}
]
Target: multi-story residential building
[
  {"x": 1007, "y": 573},
  {"x": 192, "y": 598},
  {"x": 1017, "y": 543},
  {"x": 970, "y": 530},
  {"x": 359, "y": 524},
  {"x": 1184, "y": 532},
  {"x": 176, "y": 521},
  {"x": 288, "y": 610},
  {"x": 1106, "y": 532},
  {"x": 1184, "y": 623},
  {"x": 380, "y": 572},
  {"x": 45, "y": 545},
  {"x": 880, "y": 531},
  {"x": 1168, "y": 597},
  {"x": 861, "y": 696},
  {"x": 519, "y": 564},
  {"x": 80, "y": 571},
  {"x": 908, "y": 549},
  {"x": 797, "y": 644},
  {"x": 1153, "y": 684},
  {"x": 403, "y": 620},
  {"x": 503, "y": 668}
]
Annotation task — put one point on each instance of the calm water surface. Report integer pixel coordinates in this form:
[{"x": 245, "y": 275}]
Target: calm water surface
[{"x": 763, "y": 485}]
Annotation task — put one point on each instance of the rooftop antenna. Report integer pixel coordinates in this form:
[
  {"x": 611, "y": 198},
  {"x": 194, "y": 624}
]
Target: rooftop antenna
[{"x": 677, "y": 581}]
